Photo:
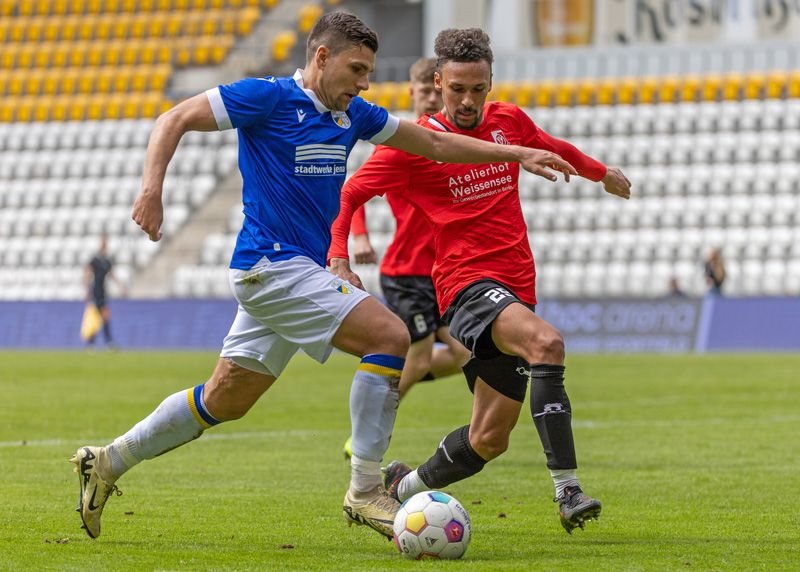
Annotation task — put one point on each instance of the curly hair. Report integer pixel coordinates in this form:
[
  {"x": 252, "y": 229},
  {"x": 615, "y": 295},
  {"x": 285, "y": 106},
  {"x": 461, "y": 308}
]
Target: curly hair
[
  {"x": 340, "y": 31},
  {"x": 468, "y": 45}
]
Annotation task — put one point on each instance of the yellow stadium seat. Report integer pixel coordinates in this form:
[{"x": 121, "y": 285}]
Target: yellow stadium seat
[
  {"x": 164, "y": 5},
  {"x": 33, "y": 82},
  {"x": 130, "y": 107},
  {"x": 129, "y": 54},
  {"x": 130, "y": 6},
  {"x": 732, "y": 86},
  {"x": 524, "y": 93},
  {"x": 26, "y": 8},
  {"x": 60, "y": 55},
  {"x": 104, "y": 25},
  {"x": 216, "y": 4},
  {"x": 754, "y": 85},
  {"x": 247, "y": 19},
  {"x": 156, "y": 26},
  {"x": 565, "y": 92},
  {"x": 181, "y": 5},
  {"x": 159, "y": 77},
  {"x": 16, "y": 84},
  {"x": 76, "y": 109},
  {"x": 138, "y": 27},
  {"x": 16, "y": 30},
  {"x": 77, "y": 6},
  {"x": 104, "y": 82},
  {"x": 8, "y": 56},
  {"x": 59, "y": 7},
  {"x": 4, "y": 76},
  {"x": 60, "y": 108},
  {"x": 150, "y": 105},
  {"x": 77, "y": 55},
  {"x": 69, "y": 81},
  {"x": 95, "y": 53},
  {"x": 7, "y": 7},
  {"x": 86, "y": 80},
  {"x": 793, "y": 84},
  {"x": 112, "y": 53},
  {"x": 208, "y": 25},
  {"x": 147, "y": 5},
  {"x": 24, "y": 109},
  {"x": 218, "y": 51},
  {"x": 163, "y": 52},
  {"x": 308, "y": 16},
  {"x": 35, "y": 30},
  {"x": 8, "y": 108},
  {"x": 5, "y": 26},
  {"x": 41, "y": 58},
  {"x": 776, "y": 84},
  {"x": 94, "y": 6},
  {"x": 140, "y": 78},
  {"x": 604, "y": 92},
  {"x": 69, "y": 28},
  {"x": 95, "y": 108},
  {"x": 173, "y": 25},
  {"x": 183, "y": 52},
  {"x": 122, "y": 79},
  {"x": 587, "y": 91},
  {"x": 86, "y": 25},
  {"x": 269, "y": 3},
  {"x": 711, "y": 87},
  {"x": 165, "y": 106},
  {"x": 42, "y": 108},
  {"x": 201, "y": 53},
  {"x": 52, "y": 80},
  {"x": 668, "y": 89},
  {"x": 52, "y": 30},
  {"x": 690, "y": 88},
  {"x": 112, "y": 108},
  {"x": 502, "y": 91},
  {"x": 282, "y": 45},
  {"x": 545, "y": 90}
]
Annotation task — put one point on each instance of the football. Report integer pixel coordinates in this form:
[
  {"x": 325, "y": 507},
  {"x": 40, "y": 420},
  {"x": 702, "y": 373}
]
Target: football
[{"x": 432, "y": 524}]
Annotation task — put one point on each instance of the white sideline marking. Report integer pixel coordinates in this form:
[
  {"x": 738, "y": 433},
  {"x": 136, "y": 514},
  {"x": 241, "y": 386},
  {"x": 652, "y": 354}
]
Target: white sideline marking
[{"x": 582, "y": 424}]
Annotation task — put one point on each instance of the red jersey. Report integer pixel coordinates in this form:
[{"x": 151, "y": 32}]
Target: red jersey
[
  {"x": 478, "y": 226},
  {"x": 411, "y": 252}
]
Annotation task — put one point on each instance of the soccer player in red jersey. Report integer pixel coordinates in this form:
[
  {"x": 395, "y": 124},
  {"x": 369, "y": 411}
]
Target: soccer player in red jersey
[
  {"x": 484, "y": 276},
  {"x": 405, "y": 272}
]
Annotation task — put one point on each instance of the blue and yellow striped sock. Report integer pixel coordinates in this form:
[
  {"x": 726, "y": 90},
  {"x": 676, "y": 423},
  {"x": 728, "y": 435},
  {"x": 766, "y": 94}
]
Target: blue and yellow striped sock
[
  {"x": 180, "y": 418},
  {"x": 374, "y": 397}
]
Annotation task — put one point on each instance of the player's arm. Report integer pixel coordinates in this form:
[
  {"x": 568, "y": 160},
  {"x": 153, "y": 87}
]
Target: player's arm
[
  {"x": 193, "y": 114},
  {"x": 362, "y": 247},
  {"x": 454, "y": 148},
  {"x": 614, "y": 181}
]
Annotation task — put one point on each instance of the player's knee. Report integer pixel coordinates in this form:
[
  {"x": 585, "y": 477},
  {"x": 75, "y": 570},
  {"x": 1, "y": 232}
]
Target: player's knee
[
  {"x": 489, "y": 443},
  {"x": 232, "y": 391},
  {"x": 390, "y": 336},
  {"x": 549, "y": 346}
]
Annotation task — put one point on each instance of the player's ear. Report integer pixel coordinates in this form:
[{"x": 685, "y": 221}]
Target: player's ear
[
  {"x": 437, "y": 81},
  {"x": 321, "y": 56}
]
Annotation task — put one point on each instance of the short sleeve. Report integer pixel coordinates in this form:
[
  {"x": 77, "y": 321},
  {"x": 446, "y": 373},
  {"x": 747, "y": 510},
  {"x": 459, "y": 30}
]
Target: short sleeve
[
  {"x": 247, "y": 102},
  {"x": 376, "y": 124}
]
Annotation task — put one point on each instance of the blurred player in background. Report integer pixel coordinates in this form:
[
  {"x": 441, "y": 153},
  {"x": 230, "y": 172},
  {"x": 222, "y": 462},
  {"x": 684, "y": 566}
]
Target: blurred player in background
[
  {"x": 714, "y": 270},
  {"x": 405, "y": 272},
  {"x": 95, "y": 274},
  {"x": 484, "y": 275},
  {"x": 295, "y": 134}
]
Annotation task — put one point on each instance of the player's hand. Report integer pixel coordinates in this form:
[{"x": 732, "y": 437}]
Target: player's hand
[
  {"x": 615, "y": 183},
  {"x": 544, "y": 163},
  {"x": 363, "y": 251},
  {"x": 341, "y": 268},
  {"x": 148, "y": 212}
]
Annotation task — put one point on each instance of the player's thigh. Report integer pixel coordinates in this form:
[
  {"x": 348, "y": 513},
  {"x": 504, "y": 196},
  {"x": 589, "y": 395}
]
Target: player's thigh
[
  {"x": 518, "y": 331},
  {"x": 494, "y": 415},
  {"x": 299, "y": 301},
  {"x": 369, "y": 328},
  {"x": 453, "y": 345}
]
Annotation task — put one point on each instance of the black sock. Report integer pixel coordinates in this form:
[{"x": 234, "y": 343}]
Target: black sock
[
  {"x": 454, "y": 460},
  {"x": 107, "y": 332},
  {"x": 552, "y": 415}
]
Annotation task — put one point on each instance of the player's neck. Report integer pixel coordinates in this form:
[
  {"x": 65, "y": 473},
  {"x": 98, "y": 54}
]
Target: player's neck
[{"x": 312, "y": 80}]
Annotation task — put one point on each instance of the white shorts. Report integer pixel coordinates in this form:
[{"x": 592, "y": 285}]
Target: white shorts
[{"x": 285, "y": 306}]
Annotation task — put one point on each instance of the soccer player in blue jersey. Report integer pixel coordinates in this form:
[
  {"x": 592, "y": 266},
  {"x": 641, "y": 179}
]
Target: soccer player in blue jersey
[{"x": 295, "y": 134}]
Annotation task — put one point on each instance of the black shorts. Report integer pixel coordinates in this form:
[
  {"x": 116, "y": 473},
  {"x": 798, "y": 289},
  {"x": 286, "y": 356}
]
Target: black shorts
[
  {"x": 472, "y": 312},
  {"x": 413, "y": 298},
  {"x": 99, "y": 300}
]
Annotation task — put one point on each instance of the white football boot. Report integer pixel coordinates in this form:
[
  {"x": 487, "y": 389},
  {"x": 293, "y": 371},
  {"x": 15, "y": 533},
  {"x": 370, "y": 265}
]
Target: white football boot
[{"x": 94, "y": 489}]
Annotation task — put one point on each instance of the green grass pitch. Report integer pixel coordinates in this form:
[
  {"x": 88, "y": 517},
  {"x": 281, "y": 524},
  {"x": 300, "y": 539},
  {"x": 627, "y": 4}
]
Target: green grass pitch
[{"x": 695, "y": 458}]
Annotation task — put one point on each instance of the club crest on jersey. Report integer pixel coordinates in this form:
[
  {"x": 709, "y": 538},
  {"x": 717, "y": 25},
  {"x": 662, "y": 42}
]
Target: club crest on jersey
[
  {"x": 499, "y": 137},
  {"x": 343, "y": 287},
  {"x": 341, "y": 119}
]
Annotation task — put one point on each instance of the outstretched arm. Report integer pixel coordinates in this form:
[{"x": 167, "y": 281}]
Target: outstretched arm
[
  {"x": 352, "y": 198},
  {"x": 363, "y": 251},
  {"x": 454, "y": 148},
  {"x": 193, "y": 114},
  {"x": 614, "y": 181}
]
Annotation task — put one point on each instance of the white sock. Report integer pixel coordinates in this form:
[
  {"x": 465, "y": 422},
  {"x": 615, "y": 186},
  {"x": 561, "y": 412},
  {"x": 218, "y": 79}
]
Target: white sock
[
  {"x": 563, "y": 478},
  {"x": 365, "y": 475},
  {"x": 410, "y": 485},
  {"x": 180, "y": 418},
  {"x": 373, "y": 407}
]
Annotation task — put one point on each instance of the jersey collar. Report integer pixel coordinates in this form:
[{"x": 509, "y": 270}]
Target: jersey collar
[{"x": 298, "y": 79}]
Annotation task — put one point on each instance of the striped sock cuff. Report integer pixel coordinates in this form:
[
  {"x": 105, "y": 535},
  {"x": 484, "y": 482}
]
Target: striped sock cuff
[
  {"x": 198, "y": 407},
  {"x": 382, "y": 364}
]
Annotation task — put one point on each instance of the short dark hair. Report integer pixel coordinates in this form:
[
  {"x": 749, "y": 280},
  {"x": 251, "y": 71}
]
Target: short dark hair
[
  {"x": 339, "y": 31},
  {"x": 469, "y": 45},
  {"x": 422, "y": 70}
]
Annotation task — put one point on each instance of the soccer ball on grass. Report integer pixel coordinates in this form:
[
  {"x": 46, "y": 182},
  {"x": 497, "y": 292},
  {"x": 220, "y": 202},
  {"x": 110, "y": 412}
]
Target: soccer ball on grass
[{"x": 432, "y": 524}]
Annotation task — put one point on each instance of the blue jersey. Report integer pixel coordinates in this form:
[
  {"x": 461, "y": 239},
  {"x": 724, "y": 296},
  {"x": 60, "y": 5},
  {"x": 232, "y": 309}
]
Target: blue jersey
[{"x": 293, "y": 159}]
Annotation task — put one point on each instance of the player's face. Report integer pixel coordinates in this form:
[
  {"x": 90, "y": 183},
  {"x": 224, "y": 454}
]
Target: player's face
[
  {"x": 344, "y": 75},
  {"x": 425, "y": 97},
  {"x": 464, "y": 87}
]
